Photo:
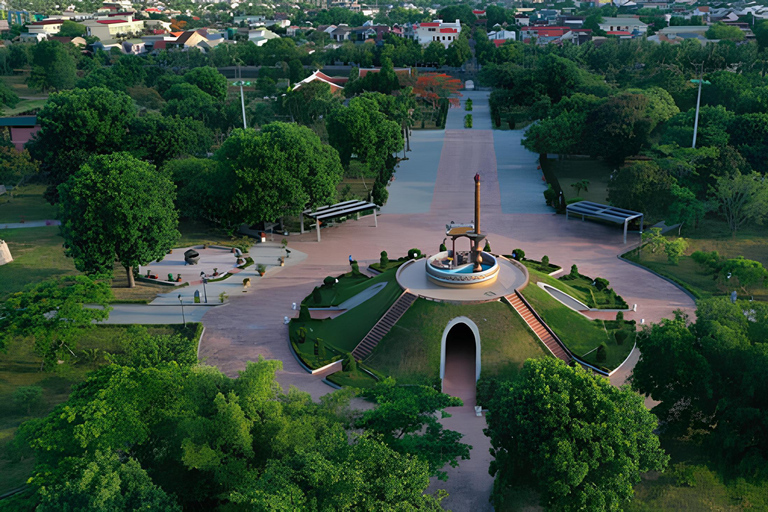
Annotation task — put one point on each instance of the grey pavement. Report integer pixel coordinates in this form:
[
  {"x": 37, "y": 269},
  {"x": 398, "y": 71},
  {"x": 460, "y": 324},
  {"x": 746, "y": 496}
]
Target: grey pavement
[
  {"x": 414, "y": 184},
  {"x": 521, "y": 184},
  {"x": 148, "y": 315},
  {"x": 30, "y": 224},
  {"x": 481, "y": 113}
]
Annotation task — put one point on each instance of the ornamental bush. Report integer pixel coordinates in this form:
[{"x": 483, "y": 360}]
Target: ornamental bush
[
  {"x": 414, "y": 254},
  {"x": 518, "y": 254},
  {"x": 545, "y": 260},
  {"x": 602, "y": 355},
  {"x": 384, "y": 260},
  {"x": 601, "y": 283},
  {"x": 329, "y": 281}
]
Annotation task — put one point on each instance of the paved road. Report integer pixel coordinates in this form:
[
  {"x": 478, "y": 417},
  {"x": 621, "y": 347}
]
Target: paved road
[{"x": 30, "y": 224}]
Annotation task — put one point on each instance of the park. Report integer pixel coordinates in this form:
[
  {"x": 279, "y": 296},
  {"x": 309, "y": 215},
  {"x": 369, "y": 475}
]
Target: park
[{"x": 457, "y": 287}]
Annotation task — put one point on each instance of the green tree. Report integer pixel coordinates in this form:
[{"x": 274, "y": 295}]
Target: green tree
[
  {"x": 16, "y": 166},
  {"x": 157, "y": 139},
  {"x": 707, "y": 376},
  {"x": 741, "y": 199},
  {"x": 592, "y": 440},
  {"x": 623, "y": 126},
  {"x": 208, "y": 80},
  {"x": 722, "y": 31},
  {"x": 641, "y": 186},
  {"x": 52, "y": 312},
  {"x": 311, "y": 102},
  {"x": 749, "y": 274},
  {"x": 27, "y": 397},
  {"x": 407, "y": 420},
  {"x": 278, "y": 171},
  {"x": 75, "y": 125},
  {"x": 675, "y": 248},
  {"x": 458, "y": 52},
  {"x": 434, "y": 54},
  {"x": 187, "y": 100},
  {"x": 53, "y": 67},
  {"x": 135, "y": 226}
]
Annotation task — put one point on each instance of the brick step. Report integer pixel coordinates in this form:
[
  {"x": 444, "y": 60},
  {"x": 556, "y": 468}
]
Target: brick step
[
  {"x": 383, "y": 326},
  {"x": 538, "y": 327}
]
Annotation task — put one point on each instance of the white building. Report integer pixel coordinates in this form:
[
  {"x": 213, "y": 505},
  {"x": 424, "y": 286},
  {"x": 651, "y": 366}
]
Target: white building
[
  {"x": 623, "y": 25},
  {"x": 46, "y": 27},
  {"x": 436, "y": 30}
]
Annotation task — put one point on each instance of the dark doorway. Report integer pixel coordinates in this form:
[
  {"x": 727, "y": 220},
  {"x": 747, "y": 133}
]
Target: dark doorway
[{"x": 460, "y": 361}]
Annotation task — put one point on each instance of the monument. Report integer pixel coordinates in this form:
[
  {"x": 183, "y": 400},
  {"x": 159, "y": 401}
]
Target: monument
[{"x": 458, "y": 269}]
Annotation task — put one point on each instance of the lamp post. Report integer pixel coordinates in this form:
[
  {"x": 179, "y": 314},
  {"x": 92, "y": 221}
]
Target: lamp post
[
  {"x": 241, "y": 83},
  {"x": 699, "y": 81},
  {"x": 205, "y": 280},
  {"x": 183, "y": 318}
]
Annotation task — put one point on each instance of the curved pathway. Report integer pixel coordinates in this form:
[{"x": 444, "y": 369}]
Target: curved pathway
[{"x": 252, "y": 325}]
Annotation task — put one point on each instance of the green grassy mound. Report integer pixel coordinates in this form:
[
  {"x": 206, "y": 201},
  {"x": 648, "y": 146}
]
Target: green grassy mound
[{"x": 410, "y": 352}]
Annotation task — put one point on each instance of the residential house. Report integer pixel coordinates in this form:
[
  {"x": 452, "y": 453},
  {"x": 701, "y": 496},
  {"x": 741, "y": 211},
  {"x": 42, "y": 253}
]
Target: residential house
[
  {"x": 437, "y": 30},
  {"x": 21, "y": 129},
  {"x": 341, "y": 33},
  {"x": 336, "y": 83},
  {"x": 112, "y": 28},
  {"x": 45, "y": 27},
  {"x": 630, "y": 25},
  {"x": 199, "y": 39},
  {"x": 502, "y": 35}
]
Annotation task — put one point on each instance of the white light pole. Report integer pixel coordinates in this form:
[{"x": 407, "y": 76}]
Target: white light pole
[{"x": 700, "y": 81}]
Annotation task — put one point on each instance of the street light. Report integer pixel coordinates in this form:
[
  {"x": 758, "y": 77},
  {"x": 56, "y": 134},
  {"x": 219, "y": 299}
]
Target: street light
[
  {"x": 698, "y": 102},
  {"x": 241, "y": 83},
  {"x": 183, "y": 318},
  {"x": 205, "y": 280}
]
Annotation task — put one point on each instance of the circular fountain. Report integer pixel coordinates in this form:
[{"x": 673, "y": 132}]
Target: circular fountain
[{"x": 454, "y": 270}]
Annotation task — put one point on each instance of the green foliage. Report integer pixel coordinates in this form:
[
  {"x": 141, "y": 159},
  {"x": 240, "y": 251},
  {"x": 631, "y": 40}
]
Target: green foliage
[
  {"x": 741, "y": 199},
  {"x": 545, "y": 260},
  {"x": 468, "y": 121},
  {"x": 53, "y": 67},
  {"x": 602, "y": 353},
  {"x": 722, "y": 31},
  {"x": 76, "y": 125},
  {"x": 157, "y": 139},
  {"x": 311, "y": 102},
  {"x": 487, "y": 247},
  {"x": 620, "y": 317},
  {"x": 641, "y": 186},
  {"x": 407, "y": 420},
  {"x": 171, "y": 437},
  {"x": 468, "y": 105},
  {"x": 28, "y": 397},
  {"x": 208, "y": 80},
  {"x": 135, "y": 226},
  {"x": 442, "y": 248},
  {"x": 693, "y": 368},
  {"x": 329, "y": 281},
  {"x": 601, "y": 283},
  {"x": 316, "y": 295},
  {"x": 675, "y": 248},
  {"x": 143, "y": 350},
  {"x": 278, "y": 171},
  {"x": 384, "y": 260},
  {"x": 574, "y": 272},
  {"x": 414, "y": 254},
  {"x": 51, "y": 312},
  {"x": 304, "y": 315},
  {"x": 518, "y": 254},
  {"x": 620, "y": 336},
  {"x": 569, "y": 468},
  {"x": 16, "y": 166}
]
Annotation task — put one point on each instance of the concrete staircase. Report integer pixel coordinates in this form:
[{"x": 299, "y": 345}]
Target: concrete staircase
[
  {"x": 538, "y": 327},
  {"x": 382, "y": 327}
]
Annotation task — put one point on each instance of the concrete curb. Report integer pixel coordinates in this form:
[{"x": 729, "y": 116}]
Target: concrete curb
[
  {"x": 634, "y": 347},
  {"x": 671, "y": 281}
]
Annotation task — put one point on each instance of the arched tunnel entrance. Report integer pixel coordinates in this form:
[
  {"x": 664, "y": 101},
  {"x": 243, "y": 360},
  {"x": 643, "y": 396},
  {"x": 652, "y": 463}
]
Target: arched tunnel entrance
[{"x": 460, "y": 359}]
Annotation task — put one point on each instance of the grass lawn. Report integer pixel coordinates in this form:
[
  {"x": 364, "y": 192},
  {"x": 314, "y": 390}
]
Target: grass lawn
[
  {"x": 580, "y": 334},
  {"x": 357, "y": 187},
  {"x": 38, "y": 254},
  {"x": 569, "y": 172},
  {"x": 348, "y": 286},
  {"x": 410, "y": 352},
  {"x": 537, "y": 265},
  {"x": 712, "y": 235},
  {"x": 25, "y": 106},
  {"x": 19, "y": 84},
  {"x": 360, "y": 380},
  {"x": 19, "y": 366},
  {"x": 581, "y": 289},
  {"x": 27, "y": 202},
  {"x": 343, "y": 333}
]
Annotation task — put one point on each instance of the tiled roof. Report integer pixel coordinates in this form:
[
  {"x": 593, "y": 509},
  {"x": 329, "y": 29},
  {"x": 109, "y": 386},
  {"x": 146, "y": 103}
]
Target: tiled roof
[
  {"x": 111, "y": 22},
  {"x": 448, "y": 30},
  {"x": 48, "y": 22}
]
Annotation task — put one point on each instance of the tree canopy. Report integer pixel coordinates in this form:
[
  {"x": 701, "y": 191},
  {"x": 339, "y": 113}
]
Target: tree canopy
[
  {"x": 577, "y": 440},
  {"x": 280, "y": 170},
  {"x": 117, "y": 207},
  {"x": 176, "y": 436}
]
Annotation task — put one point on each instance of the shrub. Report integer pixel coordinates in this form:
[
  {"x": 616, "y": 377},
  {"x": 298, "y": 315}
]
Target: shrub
[
  {"x": 320, "y": 350},
  {"x": 414, "y": 254},
  {"x": 708, "y": 259},
  {"x": 602, "y": 354},
  {"x": 468, "y": 121},
  {"x": 329, "y": 281},
  {"x": 675, "y": 249},
  {"x": 222, "y": 297},
  {"x": 301, "y": 334},
  {"x": 384, "y": 260},
  {"x": 468, "y": 105},
  {"x": 197, "y": 298},
  {"x": 487, "y": 247},
  {"x": 574, "y": 272},
  {"x": 317, "y": 296},
  {"x": 28, "y": 397},
  {"x": 518, "y": 254},
  {"x": 619, "y": 317},
  {"x": 304, "y": 315},
  {"x": 355, "y": 268},
  {"x": 550, "y": 196},
  {"x": 545, "y": 260},
  {"x": 601, "y": 283},
  {"x": 443, "y": 248},
  {"x": 621, "y": 335},
  {"x": 261, "y": 268}
]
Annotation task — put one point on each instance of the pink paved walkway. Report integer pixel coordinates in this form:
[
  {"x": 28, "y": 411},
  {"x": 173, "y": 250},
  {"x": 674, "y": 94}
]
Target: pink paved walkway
[{"x": 252, "y": 325}]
